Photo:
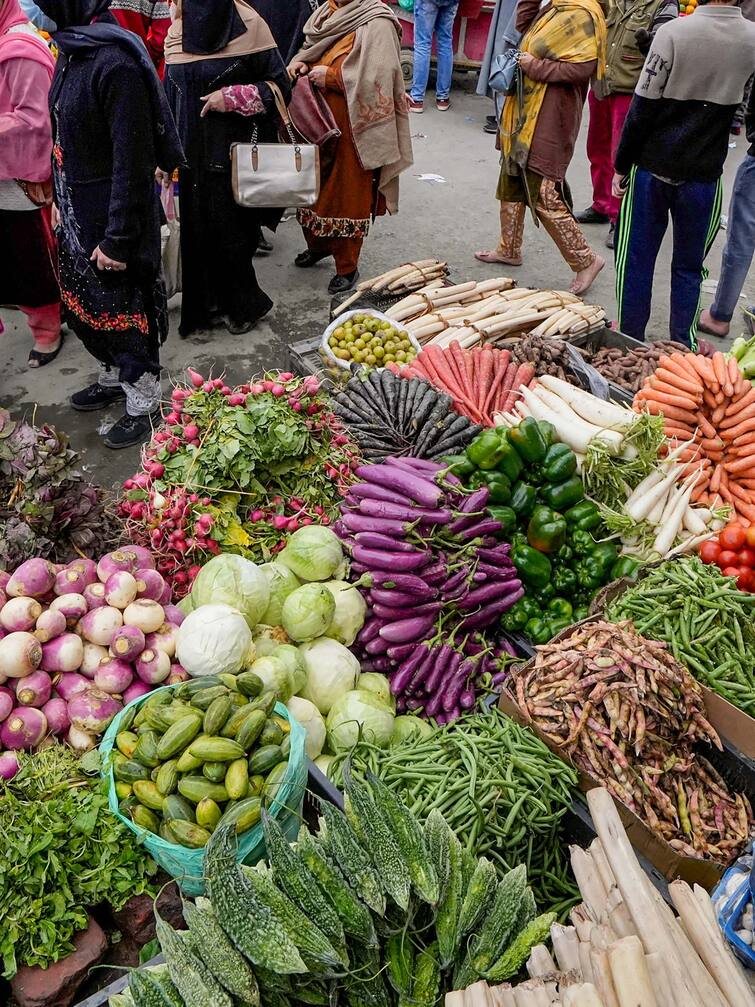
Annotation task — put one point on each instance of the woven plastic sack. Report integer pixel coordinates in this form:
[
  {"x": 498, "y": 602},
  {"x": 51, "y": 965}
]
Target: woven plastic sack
[
  {"x": 731, "y": 899},
  {"x": 186, "y": 865}
]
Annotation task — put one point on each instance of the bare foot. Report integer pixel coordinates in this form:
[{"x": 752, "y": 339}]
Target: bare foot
[
  {"x": 711, "y": 326},
  {"x": 497, "y": 257},
  {"x": 586, "y": 277}
]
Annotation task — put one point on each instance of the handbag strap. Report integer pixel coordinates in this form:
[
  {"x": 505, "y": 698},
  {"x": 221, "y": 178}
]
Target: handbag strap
[{"x": 293, "y": 134}]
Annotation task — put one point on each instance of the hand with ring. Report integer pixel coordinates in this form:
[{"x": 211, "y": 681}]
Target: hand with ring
[{"x": 104, "y": 262}]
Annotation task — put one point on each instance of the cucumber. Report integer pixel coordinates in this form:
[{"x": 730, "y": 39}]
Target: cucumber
[
  {"x": 266, "y": 702},
  {"x": 148, "y": 795},
  {"x": 216, "y": 749},
  {"x": 271, "y": 734},
  {"x": 188, "y": 834},
  {"x": 243, "y": 815},
  {"x": 126, "y": 742},
  {"x": 228, "y": 680},
  {"x": 176, "y": 806},
  {"x": 274, "y": 782},
  {"x": 249, "y": 684},
  {"x": 167, "y": 777},
  {"x": 187, "y": 762},
  {"x": 237, "y": 779},
  {"x": 216, "y": 715},
  {"x": 250, "y": 729},
  {"x": 202, "y": 700},
  {"x": 127, "y": 718},
  {"x": 208, "y": 813},
  {"x": 264, "y": 759},
  {"x": 145, "y": 819},
  {"x": 154, "y": 774},
  {"x": 286, "y": 746},
  {"x": 129, "y": 771},
  {"x": 283, "y": 724},
  {"x": 177, "y": 737},
  {"x": 123, "y": 790},
  {"x": 215, "y": 771},
  {"x": 146, "y": 749},
  {"x": 256, "y": 785},
  {"x": 235, "y": 720},
  {"x": 194, "y": 788},
  {"x": 188, "y": 689}
]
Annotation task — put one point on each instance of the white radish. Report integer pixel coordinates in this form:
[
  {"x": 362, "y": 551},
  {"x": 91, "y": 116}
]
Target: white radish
[
  {"x": 693, "y": 522},
  {"x": 576, "y": 434},
  {"x": 589, "y": 407},
  {"x": 640, "y": 508},
  {"x": 647, "y": 483},
  {"x": 655, "y": 517},
  {"x": 665, "y": 538},
  {"x": 613, "y": 440},
  {"x": 691, "y": 544}
]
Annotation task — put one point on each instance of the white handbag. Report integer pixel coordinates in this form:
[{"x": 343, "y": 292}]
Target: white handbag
[
  {"x": 170, "y": 240},
  {"x": 276, "y": 174}
]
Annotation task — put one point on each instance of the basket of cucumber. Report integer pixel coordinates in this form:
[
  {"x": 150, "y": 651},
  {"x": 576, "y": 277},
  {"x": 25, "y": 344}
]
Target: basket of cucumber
[{"x": 184, "y": 758}]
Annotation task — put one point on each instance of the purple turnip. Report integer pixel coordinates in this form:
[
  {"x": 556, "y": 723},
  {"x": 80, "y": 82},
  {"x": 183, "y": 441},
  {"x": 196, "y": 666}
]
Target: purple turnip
[
  {"x": 8, "y": 765},
  {"x": 92, "y": 658},
  {"x": 70, "y": 684},
  {"x": 85, "y": 566},
  {"x": 70, "y": 581},
  {"x": 152, "y": 666},
  {"x": 149, "y": 584},
  {"x": 177, "y": 674},
  {"x": 35, "y": 689},
  {"x": 94, "y": 595},
  {"x": 56, "y": 711},
  {"x": 144, "y": 558},
  {"x": 64, "y": 653},
  {"x": 99, "y": 625},
  {"x": 147, "y": 615},
  {"x": 50, "y": 624},
  {"x": 20, "y": 655},
  {"x": 32, "y": 579},
  {"x": 7, "y": 702},
  {"x": 92, "y": 711},
  {"x": 20, "y": 614},
  {"x": 24, "y": 728},
  {"x": 118, "y": 560},
  {"x": 80, "y": 741},
  {"x": 73, "y": 606},
  {"x": 127, "y": 643},
  {"x": 120, "y": 589},
  {"x": 135, "y": 690},
  {"x": 173, "y": 614},
  {"x": 114, "y": 676},
  {"x": 164, "y": 639}
]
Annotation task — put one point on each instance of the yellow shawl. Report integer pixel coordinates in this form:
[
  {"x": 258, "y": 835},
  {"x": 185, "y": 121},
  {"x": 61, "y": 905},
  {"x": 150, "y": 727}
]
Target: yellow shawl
[{"x": 573, "y": 31}]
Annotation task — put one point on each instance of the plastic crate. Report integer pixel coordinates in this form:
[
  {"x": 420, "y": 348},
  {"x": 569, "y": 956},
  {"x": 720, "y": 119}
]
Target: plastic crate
[{"x": 611, "y": 338}]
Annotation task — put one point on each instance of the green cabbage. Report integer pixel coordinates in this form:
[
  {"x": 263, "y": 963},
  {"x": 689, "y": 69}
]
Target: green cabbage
[
  {"x": 308, "y": 612},
  {"x": 378, "y": 685},
  {"x": 274, "y": 676},
  {"x": 281, "y": 582},
  {"x": 351, "y": 609},
  {"x": 232, "y": 580},
  {"x": 407, "y": 727},
  {"x": 359, "y": 716},
  {"x": 313, "y": 553},
  {"x": 332, "y": 670},
  {"x": 293, "y": 662},
  {"x": 310, "y": 718},
  {"x": 268, "y": 638},
  {"x": 213, "y": 639}
]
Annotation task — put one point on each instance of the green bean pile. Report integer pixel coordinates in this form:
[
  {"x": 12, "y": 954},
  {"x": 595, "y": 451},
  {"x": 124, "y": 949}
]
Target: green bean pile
[
  {"x": 707, "y": 623},
  {"x": 498, "y": 787}
]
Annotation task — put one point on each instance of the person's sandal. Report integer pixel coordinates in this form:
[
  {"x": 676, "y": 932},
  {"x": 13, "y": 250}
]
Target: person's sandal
[{"x": 39, "y": 359}]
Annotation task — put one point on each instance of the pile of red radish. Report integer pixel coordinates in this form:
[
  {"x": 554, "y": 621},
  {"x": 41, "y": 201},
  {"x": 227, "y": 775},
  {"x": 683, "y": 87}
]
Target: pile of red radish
[
  {"x": 436, "y": 576},
  {"x": 76, "y": 643}
]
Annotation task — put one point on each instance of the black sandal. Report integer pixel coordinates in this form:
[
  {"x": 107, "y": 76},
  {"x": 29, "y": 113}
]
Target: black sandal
[
  {"x": 305, "y": 260},
  {"x": 39, "y": 359}
]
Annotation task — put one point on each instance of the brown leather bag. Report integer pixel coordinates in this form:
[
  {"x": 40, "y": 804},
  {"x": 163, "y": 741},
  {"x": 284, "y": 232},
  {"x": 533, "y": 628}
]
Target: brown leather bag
[{"x": 312, "y": 118}]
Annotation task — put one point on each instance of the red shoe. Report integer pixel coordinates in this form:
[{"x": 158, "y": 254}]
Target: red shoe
[
  {"x": 443, "y": 104},
  {"x": 415, "y": 106}
]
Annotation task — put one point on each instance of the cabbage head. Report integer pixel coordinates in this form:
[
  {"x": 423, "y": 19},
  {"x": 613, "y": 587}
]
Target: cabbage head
[
  {"x": 308, "y": 612},
  {"x": 332, "y": 670},
  {"x": 293, "y": 662},
  {"x": 232, "y": 580},
  {"x": 372, "y": 681},
  {"x": 313, "y": 553},
  {"x": 268, "y": 638},
  {"x": 274, "y": 677},
  {"x": 407, "y": 727},
  {"x": 359, "y": 716},
  {"x": 213, "y": 639},
  {"x": 281, "y": 582},
  {"x": 351, "y": 609},
  {"x": 310, "y": 718}
]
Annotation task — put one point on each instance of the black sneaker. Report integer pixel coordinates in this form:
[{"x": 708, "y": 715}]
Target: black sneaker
[
  {"x": 490, "y": 125},
  {"x": 96, "y": 396},
  {"x": 340, "y": 284},
  {"x": 590, "y": 216},
  {"x": 611, "y": 236},
  {"x": 130, "y": 430}
]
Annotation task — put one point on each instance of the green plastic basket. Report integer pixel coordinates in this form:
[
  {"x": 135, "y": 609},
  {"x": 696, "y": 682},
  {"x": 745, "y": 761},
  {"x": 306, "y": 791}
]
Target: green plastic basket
[{"x": 186, "y": 865}]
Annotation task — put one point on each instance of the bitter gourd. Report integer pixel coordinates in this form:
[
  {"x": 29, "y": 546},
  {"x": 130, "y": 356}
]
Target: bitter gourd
[
  {"x": 149, "y": 990},
  {"x": 527, "y": 911},
  {"x": 501, "y": 918},
  {"x": 399, "y": 957},
  {"x": 438, "y": 842},
  {"x": 479, "y": 895},
  {"x": 343, "y": 846},
  {"x": 518, "y": 951},
  {"x": 223, "y": 960},
  {"x": 426, "y": 984},
  {"x": 447, "y": 916},
  {"x": 190, "y": 977}
]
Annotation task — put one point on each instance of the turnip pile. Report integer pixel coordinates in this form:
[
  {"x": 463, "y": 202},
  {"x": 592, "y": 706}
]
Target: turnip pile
[
  {"x": 435, "y": 575},
  {"x": 76, "y": 643}
]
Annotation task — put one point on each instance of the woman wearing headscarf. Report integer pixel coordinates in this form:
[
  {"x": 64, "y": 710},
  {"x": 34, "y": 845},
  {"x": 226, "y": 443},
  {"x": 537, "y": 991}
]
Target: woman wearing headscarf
[
  {"x": 219, "y": 54},
  {"x": 352, "y": 53},
  {"x": 27, "y": 245},
  {"x": 111, "y": 128},
  {"x": 563, "y": 45},
  {"x": 286, "y": 20}
]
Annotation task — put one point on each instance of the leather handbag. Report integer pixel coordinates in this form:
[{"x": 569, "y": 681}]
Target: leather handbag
[
  {"x": 504, "y": 72},
  {"x": 276, "y": 174},
  {"x": 311, "y": 116}
]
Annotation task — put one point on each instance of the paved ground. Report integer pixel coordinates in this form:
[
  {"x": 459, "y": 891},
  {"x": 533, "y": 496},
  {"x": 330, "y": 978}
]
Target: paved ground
[{"x": 450, "y": 218}]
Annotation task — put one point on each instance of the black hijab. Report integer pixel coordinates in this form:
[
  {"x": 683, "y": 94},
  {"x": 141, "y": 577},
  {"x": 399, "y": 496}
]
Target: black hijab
[
  {"x": 209, "y": 25},
  {"x": 87, "y": 24},
  {"x": 286, "y": 20}
]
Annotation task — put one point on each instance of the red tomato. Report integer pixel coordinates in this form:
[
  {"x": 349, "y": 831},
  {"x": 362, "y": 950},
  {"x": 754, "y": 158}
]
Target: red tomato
[
  {"x": 710, "y": 551},
  {"x": 746, "y": 580},
  {"x": 750, "y": 536},
  {"x": 731, "y": 571},
  {"x": 747, "y": 557},
  {"x": 733, "y": 537},
  {"x": 726, "y": 558}
]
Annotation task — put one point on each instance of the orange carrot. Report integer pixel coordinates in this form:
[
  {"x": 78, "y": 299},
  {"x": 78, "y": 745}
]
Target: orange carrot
[
  {"x": 709, "y": 399},
  {"x": 711, "y": 444},
  {"x": 746, "y": 426},
  {"x": 715, "y": 480},
  {"x": 737, "y": 404},
  {"x": 673, "y": 377},
  {"x": 719, "y": 367},
  {"x": 740, "y": 383},
  {"x": 671, "y": 412},
  {"x": 733, "y": 370},
  {"x": 746, "y": 510},
  {"x": 667, "y": 388},
  {"x": 705, "y": 425},
  {"x": 742, "y": 464},
  {"x": 741, "y": 494},
  {"x": 718, "y": 414},
  {"x": 674, "y": 399}
]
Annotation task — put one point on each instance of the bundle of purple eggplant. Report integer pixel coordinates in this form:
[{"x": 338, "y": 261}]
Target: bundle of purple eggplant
[{"x": 436, "y": 576}]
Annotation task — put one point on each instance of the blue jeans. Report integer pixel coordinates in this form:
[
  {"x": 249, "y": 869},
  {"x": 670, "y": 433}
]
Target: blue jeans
[
  {"x": 695, "y": 210},
  {"x": 740, "y": 242},
  {"x": 438, "y": 17}
]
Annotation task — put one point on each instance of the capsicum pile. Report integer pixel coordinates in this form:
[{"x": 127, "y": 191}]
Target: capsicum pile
[{"x": 557, "y": 535}]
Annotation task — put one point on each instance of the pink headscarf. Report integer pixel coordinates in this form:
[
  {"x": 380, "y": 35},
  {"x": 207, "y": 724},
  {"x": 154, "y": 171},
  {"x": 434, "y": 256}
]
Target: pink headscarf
[{"x": 25, "y": 142}]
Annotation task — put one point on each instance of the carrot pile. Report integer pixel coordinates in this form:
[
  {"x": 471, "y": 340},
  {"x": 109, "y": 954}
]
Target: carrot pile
[
  {"x": 481, "y": 381},
  {"x": 707, "y": 402}
]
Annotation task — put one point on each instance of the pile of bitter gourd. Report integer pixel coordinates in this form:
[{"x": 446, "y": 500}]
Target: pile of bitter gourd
[{"x": 373, "y": 910}]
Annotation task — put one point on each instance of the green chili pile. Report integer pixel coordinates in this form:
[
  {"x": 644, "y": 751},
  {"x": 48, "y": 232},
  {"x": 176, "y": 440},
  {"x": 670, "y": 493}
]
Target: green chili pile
[
  {"x": 498, "y": 787},
  {"x": 708, "y": 624}
]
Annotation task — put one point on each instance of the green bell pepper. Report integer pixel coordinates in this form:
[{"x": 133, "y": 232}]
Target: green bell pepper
[
  {"x": 534, "y": 566},
  {"x": 546, "y": 531},
  {"x": 538, "y": 629},
  {"x": 559, "y": 464},
  {"x": 582, "y": 542},
  {"x": 548, "y": 431},
  {"x": 588, "y": 573},
  {"x": 558, "y": 623},
  {"x": 506, "y": 516},
  {"x": 485, "y": 451},
  {"x": 523, "y": 499},
  {"x": 520, "y": 612},
  {"x": 605, "y": 556},
  {"x": 580, "y": 612},
  {"x": 528, "y": 440},
  {"x": 625, "y": 566},
  {"x": 459, "y": 465},
  {"x": 476, "y": 479},
  {"x": 559, "y": 608},
  {"x": 498, "y": 485},
  {"x": 543, "y": 595},
  {"x": 584, "y": 515},
  {"x": 565, "y": 554},
  {"x": 510, "y": 463},
  {"x": 564, "y": 580},
  {"x": 561, "y": 496}
]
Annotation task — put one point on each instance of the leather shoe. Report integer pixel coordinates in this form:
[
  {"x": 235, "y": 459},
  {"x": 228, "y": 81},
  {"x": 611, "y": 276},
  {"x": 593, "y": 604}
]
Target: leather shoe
[
  {"x": 590, "y": 216},
  {"x": 305, "y": 260},
  {"x": 340, "y": 284}
]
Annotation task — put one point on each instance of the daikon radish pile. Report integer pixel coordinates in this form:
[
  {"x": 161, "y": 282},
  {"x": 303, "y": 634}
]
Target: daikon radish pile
[
  {"x": 404, "y": 278},
  {"x": 625, "y": 947}
]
